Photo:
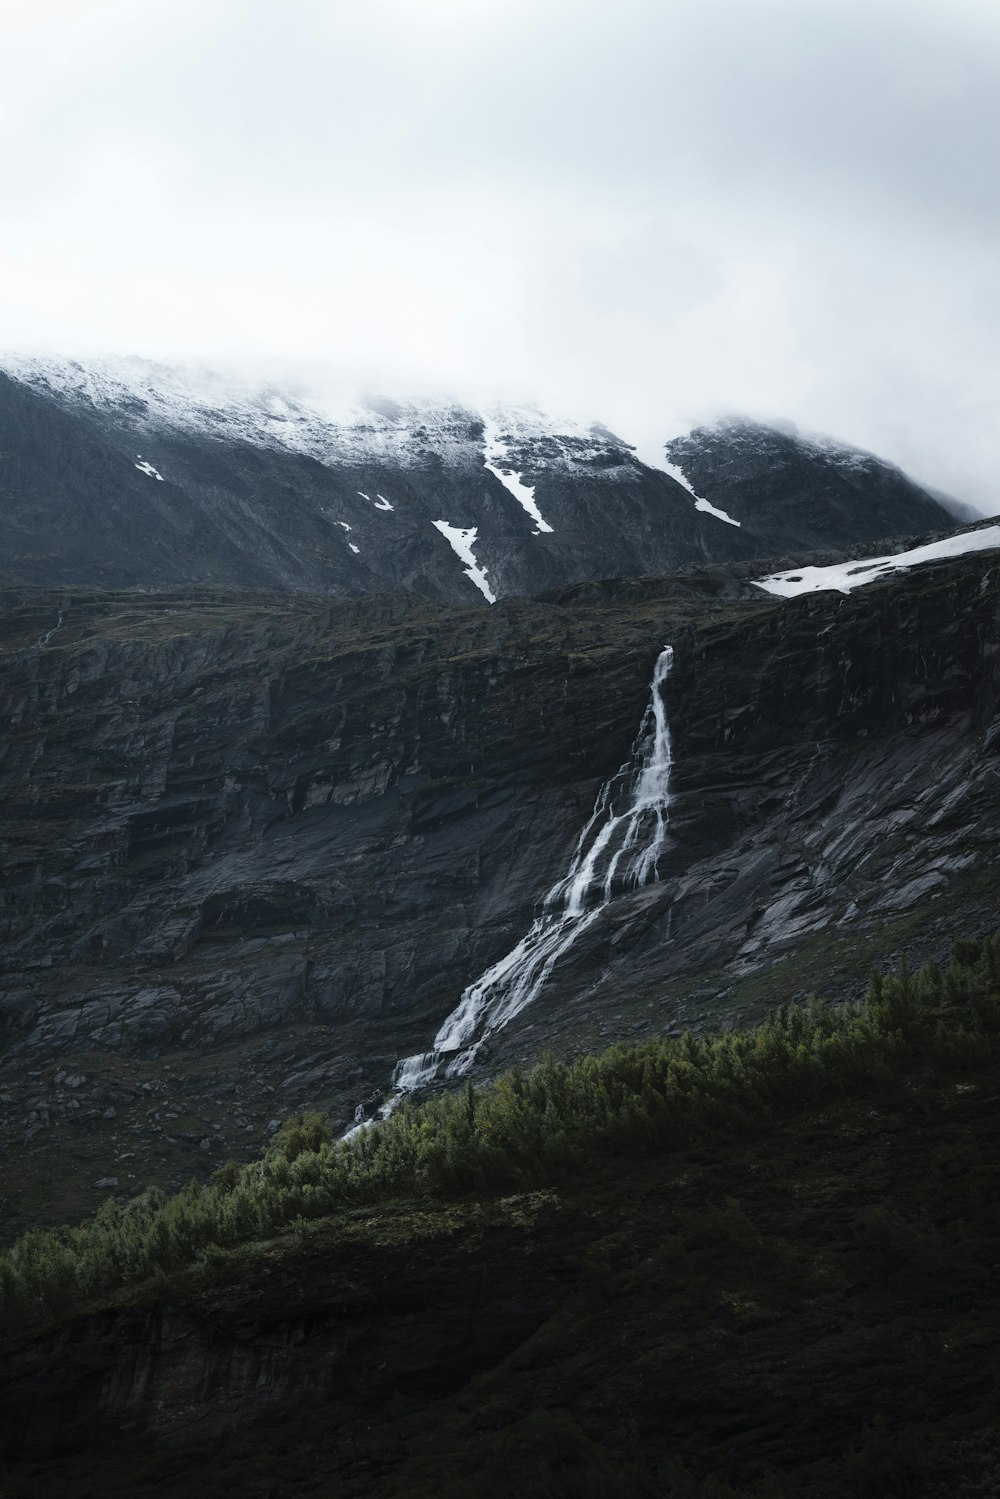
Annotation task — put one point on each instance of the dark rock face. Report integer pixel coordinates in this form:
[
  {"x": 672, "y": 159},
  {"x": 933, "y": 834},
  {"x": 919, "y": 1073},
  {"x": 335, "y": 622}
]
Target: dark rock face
[
  {"x": 796, "y": 494},
  {"x": 128, "y": 476},
  {"x": 255, "y": 846}
]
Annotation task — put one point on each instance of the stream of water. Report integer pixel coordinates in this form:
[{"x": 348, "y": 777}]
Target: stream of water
[{"x": 618, "y": 850}]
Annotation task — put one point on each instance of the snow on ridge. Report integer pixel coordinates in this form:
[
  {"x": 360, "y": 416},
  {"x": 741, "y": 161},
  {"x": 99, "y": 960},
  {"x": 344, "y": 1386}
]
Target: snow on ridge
[
  {"x": 314, "y": 421},
  {"x": 461, "y": 543},
  {"x": 496, "y": 461},
  {"x": 526, "y": 437},
  {"x": 842, "y": 454},
  {"x": 752, "y": 431},
  {"x": 843, "y": 576},
  {"x": 324, "y": 425}
]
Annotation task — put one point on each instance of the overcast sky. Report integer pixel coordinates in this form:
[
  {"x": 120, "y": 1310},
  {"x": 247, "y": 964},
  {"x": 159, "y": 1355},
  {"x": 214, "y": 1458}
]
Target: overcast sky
[{"x": 638, "y": 211}]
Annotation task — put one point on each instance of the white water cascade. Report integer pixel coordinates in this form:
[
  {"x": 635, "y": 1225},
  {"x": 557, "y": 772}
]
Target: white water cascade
[
  {"x": 618, "y": 850},
  {"x": 44, "y": 639}
]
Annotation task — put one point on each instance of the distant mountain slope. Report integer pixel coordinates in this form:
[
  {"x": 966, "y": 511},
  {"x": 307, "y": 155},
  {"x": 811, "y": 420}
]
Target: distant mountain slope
[
  {"x": 126, "y": 473},
  {"x": 799, "y": 493}
]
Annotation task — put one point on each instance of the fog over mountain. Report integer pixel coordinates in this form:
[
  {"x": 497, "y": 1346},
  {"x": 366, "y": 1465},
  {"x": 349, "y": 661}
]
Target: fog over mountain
[
  {"x": 500, "y": 751},
  {"x": 128, "y": 473},
  {"x": 640, "y": 214}
]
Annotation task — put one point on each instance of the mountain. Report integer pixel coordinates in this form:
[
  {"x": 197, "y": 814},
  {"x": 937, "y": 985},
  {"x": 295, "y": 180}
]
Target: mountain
[
  {"x": 120, "y": 474},
  {"x": 796, "y": 493},
  {"x": 289, "y": 818},
  {"x": 256, "y": 847}
]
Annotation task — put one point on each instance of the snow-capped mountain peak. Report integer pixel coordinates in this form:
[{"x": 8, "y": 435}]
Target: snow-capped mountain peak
[{"x": 127, "y": 471}]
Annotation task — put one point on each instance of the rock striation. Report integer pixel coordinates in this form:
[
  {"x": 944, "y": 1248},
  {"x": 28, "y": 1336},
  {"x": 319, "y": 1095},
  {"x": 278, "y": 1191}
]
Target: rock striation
[{"x": 254, "y": 846}]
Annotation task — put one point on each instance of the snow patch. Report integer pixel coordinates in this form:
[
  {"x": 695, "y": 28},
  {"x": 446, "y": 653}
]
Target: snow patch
[
  {"x": 381, "y": 503},
  {"x": 654, "y": 457},
  {"x": 496, "y": 461},
  {"x": 462, "y": 542},
  {"x": 678, "y": 475},
  {"x": 147, "y": 468},
  {"x": 354, "y": 549},
  {"x": 710, "y": 509},
  {"x": 843, "y": 576},
  {"x": 345, "y": 525}
]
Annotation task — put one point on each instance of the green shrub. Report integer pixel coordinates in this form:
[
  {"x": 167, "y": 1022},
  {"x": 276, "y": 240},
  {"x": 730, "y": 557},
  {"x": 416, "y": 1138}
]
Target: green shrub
[{"x": 529, "y": 1129}]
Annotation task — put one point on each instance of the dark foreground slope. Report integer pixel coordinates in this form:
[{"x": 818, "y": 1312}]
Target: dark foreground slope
[
  {"x": 759, "y": 1266},
  {"x": 254, "y": 848}
]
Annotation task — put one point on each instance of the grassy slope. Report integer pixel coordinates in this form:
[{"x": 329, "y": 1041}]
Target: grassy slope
[{"x": 806, "y": 1252}]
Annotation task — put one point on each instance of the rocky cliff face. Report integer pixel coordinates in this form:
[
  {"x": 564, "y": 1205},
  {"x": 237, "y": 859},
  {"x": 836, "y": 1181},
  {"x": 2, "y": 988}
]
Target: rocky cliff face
[
  {"x": 254, "y": 846},
  {"x": 130, "y": 474},
  {"x": 795, "y": 493}
]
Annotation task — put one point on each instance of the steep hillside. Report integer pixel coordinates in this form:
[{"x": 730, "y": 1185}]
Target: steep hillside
[
  {"x": 254, "y": 848},
  {"x": 796, "y": 493},
  {"x": 129, "y": 474},
  {"x": 755, "y": 1266}
]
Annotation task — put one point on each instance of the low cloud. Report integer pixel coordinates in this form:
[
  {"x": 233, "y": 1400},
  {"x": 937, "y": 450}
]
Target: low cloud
[{"x": 641, "y": 213}]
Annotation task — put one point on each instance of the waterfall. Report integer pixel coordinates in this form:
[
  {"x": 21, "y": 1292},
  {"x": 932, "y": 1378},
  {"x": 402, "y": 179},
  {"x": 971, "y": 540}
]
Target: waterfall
[
  {"x": 618, "y": 850},
  {"x": 44, "y": 639}
]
